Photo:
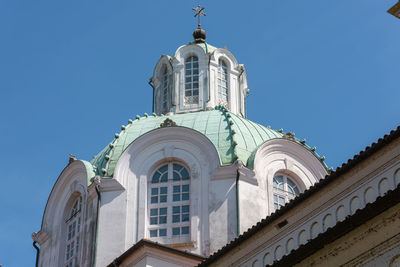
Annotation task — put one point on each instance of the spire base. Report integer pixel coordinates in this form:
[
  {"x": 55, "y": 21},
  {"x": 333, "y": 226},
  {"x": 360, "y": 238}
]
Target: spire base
[{"x": 199, "y": 35}]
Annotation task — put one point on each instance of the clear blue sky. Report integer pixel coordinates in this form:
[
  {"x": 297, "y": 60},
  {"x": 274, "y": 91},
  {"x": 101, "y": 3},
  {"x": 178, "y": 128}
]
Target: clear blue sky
[{"x": 72, "y": 72}]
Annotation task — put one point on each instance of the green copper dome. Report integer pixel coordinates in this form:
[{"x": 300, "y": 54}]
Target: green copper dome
[
  {"x": 208, "y": 49},
  {"x": 234, "y": 137}
]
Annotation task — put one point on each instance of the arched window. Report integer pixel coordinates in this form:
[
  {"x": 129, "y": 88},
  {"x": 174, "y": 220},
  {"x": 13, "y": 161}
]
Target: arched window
[
  {"x": 284, "y": 190},
  {"x": 191, "y": 80},
  {"x": 164, "y": 89},
  {"x": 73, "y": 224},
  {"x": 169, "y": 204},
  {"x": 222, "y": 82}
]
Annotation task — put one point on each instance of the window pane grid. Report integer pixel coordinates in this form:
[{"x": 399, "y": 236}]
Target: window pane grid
[
  {"x": 222, "y": 81},
  {"x": 158, "y": 232},
  {"x": 180, "y": 193},
  {"x": 165, "y": 89},
  {"x": 180, "y": 214},
  {"x": 159, "y": 195},
  {"x": 180, "y": 231},
  {"x": 158, "y": 216},
  {"x": 192, "y": 80},
  {"x": 161, "y": 175},
  {"x": 73, "y": 234},
  {"x": 284, "y": 190},
  {"x": 169, "y": 202}
]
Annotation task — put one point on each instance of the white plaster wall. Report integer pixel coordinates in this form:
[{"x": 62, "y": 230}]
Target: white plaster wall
[
  {"x": 234, "y": 72},
  {"x": 163, "y": 62},
  {"x": 208, "y": 89},
  {"x": 111, "y": 227},
  {"x": 222, "y": 210},
  {"x": 251, "y": 204},
  {"x": 71, "y": 183},
  {"x": 178, "y": 64},
  {"x": 285, "y": 157},
  {"x": 149, "y": 151},
  {"x": 330, "y": 207}
]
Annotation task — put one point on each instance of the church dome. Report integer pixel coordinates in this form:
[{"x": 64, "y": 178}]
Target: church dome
[
  {"x": 234, "y": 137},
  {"x": 172, "y": 178},
  {"x": 208, "y": 49}
]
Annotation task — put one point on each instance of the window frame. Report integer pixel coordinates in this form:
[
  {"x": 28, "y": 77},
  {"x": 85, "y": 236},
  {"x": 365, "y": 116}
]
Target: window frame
[
  {"x": 189, "y": 86},
  {"x": 170, "y": 204},
  {"x": 223, "y": 84},
  {"x": 284, "y": 194},
  {"x": 73, "y": 233},
  {"x": 164, "y": 89}
]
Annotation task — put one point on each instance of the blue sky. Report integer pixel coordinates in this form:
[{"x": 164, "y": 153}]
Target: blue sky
[{"x": 72, "y": 72}]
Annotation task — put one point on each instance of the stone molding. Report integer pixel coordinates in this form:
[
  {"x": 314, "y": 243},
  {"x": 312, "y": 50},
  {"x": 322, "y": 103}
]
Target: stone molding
[
  {"x": 294, "y": 228},
  {"x": 40, "y": 237},
  {"x": 362, "y": 185},
  {"x": 246, "y": 175},
  {"x": 144, "y": 155},
  {"x": 72, "y": 182},
  {"x": 383, "y": 247},
  {"x": 208, "y": 86},
  {"x": 225, "y": 172}
]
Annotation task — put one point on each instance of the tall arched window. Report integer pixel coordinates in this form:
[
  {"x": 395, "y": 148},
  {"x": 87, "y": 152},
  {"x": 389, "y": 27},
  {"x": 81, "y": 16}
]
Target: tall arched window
[
  {"x": 192, "y": 80},
  {"x": 284, "y": 190},
  {"x": 169, "y": 204},
  {"x": 222, "y": 82},
  {"x": 73, "y": 234},
  {"x": 164, "y": 89}
]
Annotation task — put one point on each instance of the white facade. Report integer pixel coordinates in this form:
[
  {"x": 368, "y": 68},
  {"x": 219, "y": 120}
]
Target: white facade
[
  {"x": 124, "y": 218},
  {"x": 224, "y": 200},
  {"x": 53, "y": 236},
  {"x": 374, "y": 243},
  {"x": 208, "y": 69}
]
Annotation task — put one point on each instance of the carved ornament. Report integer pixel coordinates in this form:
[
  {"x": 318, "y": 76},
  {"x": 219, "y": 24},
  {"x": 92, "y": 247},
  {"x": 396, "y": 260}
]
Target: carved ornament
[{"x": 168, "y": 123}]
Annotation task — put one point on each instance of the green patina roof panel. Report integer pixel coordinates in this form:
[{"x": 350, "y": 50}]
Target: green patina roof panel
[
  {"x": 216, "y": 125},
  {"x": 206, "y": 47}
]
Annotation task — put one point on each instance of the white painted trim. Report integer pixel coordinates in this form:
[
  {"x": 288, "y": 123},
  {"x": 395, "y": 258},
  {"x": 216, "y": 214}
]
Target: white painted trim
[
  {"x": 148, "y": 151},
  {"x": 71, "y": 182},
  {"x": 285, "y": 156}
]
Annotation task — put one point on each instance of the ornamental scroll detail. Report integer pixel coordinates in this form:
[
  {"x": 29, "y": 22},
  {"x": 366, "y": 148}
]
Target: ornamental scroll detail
[{"x": 168, "y": 123}]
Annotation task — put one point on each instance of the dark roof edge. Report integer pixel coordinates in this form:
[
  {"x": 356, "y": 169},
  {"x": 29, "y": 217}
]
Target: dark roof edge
[
  {"x": 149, "y": 243},
  {"x": 346, "y": 167},
  {"x": 362, "y": 216}
]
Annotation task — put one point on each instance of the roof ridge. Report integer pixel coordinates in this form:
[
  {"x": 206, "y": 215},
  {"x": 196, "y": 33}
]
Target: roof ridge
[
  {"x": 361, "y": 156},
  {"x": 228, "y": 118}
]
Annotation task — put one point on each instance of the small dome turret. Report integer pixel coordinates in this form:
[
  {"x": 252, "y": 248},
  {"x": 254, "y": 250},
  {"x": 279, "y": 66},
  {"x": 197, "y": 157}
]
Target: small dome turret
[{"x": 199, "y": 77}]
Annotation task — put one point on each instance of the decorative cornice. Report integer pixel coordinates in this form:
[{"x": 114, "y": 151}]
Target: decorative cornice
[
  {"x": 168, "y": 123},
  {"x": 110, "y": 184},
  {"x": 71, "y": 159},
  {"x": 345, "y": 168},
  {"x": 289, "y": 136},
  {"x": 373, "y": 253},
  {"x": 361, "y": 217},
  {"x": 40, "y": 237},
  {"x": 246, "y": 174},
  {"x": 225, "y": 172}
]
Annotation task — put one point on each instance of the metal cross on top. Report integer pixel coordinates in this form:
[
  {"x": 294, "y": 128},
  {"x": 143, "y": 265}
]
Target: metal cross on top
[{"x": 199, "y": 12}]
